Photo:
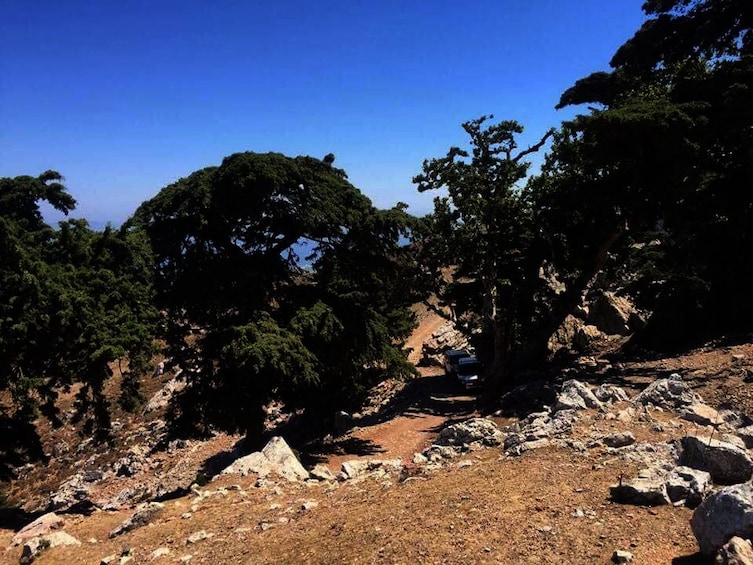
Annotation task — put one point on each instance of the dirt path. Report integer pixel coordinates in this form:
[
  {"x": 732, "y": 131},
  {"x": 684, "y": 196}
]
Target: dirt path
[{"x": 415, "y": 415}]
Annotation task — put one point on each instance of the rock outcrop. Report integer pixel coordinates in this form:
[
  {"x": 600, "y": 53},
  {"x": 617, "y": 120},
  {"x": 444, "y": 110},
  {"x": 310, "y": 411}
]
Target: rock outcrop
[
  {"x": 722, "y": 515},
  {"x": 470, "y": 433},
  {"x": 446, "y": 337},
  {"x": 669, "y": 393},
  {"x": 727, "y": 463},
  {"x": 161, "y": 398},
  {"x": 144, "y": 514},
  {"x": 276, "y": 457},
  {"x": 575, "y": 395},
  {"x": 34, "y": 547}
]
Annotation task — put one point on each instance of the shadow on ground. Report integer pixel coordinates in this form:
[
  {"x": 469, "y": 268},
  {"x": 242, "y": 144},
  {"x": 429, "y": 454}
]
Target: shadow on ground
[
  {"x": 356, "y": 447},
  {"x": 695, "y": 559},
  {"x": 434, "y": 395}
]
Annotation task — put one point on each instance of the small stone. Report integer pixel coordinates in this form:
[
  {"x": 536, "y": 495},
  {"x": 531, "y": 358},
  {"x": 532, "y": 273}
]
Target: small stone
[
  {"x": 619, "y": 439},
  {"x": 198, "y": 536},
  {"x": 620, "y": 556},
  {"x": 309, "y": 505},
  {"x": 159, "y": 552}
]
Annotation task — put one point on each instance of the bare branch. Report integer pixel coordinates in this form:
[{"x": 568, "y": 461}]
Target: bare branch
[{"x": 533, "y": 148}]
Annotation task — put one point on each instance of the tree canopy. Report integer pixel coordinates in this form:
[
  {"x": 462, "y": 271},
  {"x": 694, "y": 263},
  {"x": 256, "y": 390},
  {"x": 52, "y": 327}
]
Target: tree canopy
[
  {"x": 675, "y": 109},
  {"x": 299, "y": 283},
  {"x": 72, "y": 302}
]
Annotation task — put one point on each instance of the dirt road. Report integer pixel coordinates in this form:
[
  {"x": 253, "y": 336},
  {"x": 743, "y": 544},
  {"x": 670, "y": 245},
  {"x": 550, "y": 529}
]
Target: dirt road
[{"x": 413, "y": 417}]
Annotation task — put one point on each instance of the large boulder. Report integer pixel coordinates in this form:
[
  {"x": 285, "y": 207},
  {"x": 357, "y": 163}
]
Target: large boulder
[
  {"x": 648, "y": 489},
  {"x": 671, "y": 393},
  {"x": 613, "y": 315},
  {"x": 727, "y": 463},
  {"x": 143, "y": 515},
  {"x": 687, "y": 485},
  {"x": 283, "y": 460},
  {"x": 255, "y": 462},
  {"x": 701, "y": 413},
  {"x": 45, "y": 524},
  {"x": 619, "y": 439},
  {"x": 722, "y": 515},
  {"x": 575, "y": 395},
  {"x": 474, "y": 432},
  {"x": 746, "y": 434},
  {"x": 35, "y": 546},
  {"x": 586, "y": 338},
  {"x": 610, "y": 393},
  {"x": 565, "y": 334},
  {"x": 276, "y": 457},
  {"x": 361, "y": 468}
]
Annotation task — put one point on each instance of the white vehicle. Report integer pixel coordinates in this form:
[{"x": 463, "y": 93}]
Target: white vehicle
[{"x": 470, "y": 372}]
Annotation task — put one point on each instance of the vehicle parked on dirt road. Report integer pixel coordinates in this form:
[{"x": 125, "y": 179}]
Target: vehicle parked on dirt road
[
  {"x": 470, "y": 372},
  {"x": 451, "y": 358}
]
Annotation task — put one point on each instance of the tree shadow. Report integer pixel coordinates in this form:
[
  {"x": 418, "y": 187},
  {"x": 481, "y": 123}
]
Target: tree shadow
[
  {"x": 426, "y": 395},
  {"x": 694, "y": 559},
  {"x": 14, "y": 518},
  {"x": 322, "y": 451},
  {"x": 19, "y": 444},
  {"x": 218, "y": 462}
]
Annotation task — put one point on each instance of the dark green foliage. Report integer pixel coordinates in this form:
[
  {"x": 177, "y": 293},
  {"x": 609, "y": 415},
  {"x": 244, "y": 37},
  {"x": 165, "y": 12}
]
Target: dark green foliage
[
  {"x": 672, "y": 146},
  {"x": 483, "y": 228},
  {"x": 300, "y": 286},
  {"x": 72, "y": 302}
]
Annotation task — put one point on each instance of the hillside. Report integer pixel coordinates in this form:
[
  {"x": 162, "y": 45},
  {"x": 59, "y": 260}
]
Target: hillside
[{"x": 550, "y": 503}]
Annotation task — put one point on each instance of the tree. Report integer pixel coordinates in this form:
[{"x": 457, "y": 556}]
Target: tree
[
  {"x": 670, "y": 142},
  {"x": 482, "y": 227},
  {"x": 296, "y": 281},
  {"x": 72, "y": 303}
]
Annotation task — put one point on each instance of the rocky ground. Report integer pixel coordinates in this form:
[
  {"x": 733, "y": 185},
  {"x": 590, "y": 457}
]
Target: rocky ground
[{"x": 615, "y": 460}]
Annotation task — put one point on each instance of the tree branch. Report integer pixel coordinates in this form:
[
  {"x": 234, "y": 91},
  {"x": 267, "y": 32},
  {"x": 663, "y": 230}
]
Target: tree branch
[{"x": 533, "y": 148}]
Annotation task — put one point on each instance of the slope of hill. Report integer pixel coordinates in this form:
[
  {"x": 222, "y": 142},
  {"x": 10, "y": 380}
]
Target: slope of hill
[{"x": 482, "y": 505}]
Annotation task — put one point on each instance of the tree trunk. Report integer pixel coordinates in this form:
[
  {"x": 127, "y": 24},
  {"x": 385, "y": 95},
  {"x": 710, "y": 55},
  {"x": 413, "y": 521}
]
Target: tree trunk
[
  {"x": 497, "y": 376},
  {"x": 572, "y": 297}
]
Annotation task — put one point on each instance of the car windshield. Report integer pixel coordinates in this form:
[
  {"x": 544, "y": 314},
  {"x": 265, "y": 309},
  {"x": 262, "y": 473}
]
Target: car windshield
[{"x": 469, "y": 368}]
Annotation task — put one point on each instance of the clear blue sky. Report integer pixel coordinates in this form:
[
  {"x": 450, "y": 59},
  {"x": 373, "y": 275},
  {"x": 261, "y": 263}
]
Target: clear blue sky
[{"x": 123, "y": 98}]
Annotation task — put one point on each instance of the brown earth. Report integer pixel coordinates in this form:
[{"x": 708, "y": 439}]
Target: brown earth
[{"x": 547, "y": 506}]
